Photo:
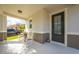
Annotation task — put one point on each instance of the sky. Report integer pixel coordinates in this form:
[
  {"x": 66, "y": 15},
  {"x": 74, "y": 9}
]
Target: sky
[{"x": 11, "y": 21}]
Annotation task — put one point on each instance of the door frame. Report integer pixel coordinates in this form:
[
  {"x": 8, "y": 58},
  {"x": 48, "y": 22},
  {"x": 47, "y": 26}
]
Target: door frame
[{"x": 65, "y": 24}]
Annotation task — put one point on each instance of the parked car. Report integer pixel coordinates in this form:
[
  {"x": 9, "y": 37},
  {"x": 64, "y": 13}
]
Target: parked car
[{"x": 13, "y": 31}]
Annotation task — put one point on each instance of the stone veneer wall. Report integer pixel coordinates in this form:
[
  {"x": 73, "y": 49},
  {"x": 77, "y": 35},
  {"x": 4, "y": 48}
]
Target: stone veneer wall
[
  {"x": 73, "y": 41},
  {"x": 41, "y": 37},
  {"x": 3, "y": 36}
]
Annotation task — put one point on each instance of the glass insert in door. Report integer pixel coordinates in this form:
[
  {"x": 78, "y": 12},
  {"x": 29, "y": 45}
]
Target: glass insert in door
[{"x": 57, "y": 24}]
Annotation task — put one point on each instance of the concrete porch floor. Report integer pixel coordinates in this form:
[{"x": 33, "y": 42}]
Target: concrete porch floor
[{"x": 32, "y": 47}]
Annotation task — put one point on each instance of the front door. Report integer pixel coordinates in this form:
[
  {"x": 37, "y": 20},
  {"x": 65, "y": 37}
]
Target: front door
[{"x": 58, "y": 27}]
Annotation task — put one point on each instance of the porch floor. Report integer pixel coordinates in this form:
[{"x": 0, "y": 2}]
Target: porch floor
[{"x": 32, "y": 47}]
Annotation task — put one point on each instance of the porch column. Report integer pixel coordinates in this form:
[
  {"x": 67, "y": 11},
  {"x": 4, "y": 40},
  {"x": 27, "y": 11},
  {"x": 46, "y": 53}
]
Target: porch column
[{"x": 3, "y": 28}]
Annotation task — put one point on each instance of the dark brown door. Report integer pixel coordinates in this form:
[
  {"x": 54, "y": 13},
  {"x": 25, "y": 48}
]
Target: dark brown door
[{"x": 58, "y": 27}]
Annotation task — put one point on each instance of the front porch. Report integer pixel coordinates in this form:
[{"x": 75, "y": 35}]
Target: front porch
[
  {"x": 41, "y": 17},
  {"x": 32, "y": 47}
]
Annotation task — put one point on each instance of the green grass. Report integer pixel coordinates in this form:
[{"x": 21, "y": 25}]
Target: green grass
[{"x": 12, "y": 38}]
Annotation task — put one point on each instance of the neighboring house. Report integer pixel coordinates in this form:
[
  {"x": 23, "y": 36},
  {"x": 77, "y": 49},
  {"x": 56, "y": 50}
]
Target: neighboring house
[
  {"x": 54, "y": 23},
  {"x": 12, "y": 26}
]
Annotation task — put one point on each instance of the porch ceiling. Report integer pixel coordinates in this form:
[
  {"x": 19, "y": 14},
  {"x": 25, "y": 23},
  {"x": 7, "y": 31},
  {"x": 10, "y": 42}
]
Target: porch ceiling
[{"x": 27, "y": 9}]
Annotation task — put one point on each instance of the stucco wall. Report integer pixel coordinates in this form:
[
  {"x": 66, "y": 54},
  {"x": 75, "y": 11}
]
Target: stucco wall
[
  {"x": 73, "y": 26},
  {"x": 41, "y": 26},
  {"x": 41, "y": 19},
  {"x": 73, "y": 20},
  {"x": 46, "y": 21},
  {"x": 40, "y": 22}
]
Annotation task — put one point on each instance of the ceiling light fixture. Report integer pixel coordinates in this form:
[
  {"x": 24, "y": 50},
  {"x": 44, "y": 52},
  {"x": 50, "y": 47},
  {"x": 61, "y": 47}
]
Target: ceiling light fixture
[{"x": 19, "y": 11}]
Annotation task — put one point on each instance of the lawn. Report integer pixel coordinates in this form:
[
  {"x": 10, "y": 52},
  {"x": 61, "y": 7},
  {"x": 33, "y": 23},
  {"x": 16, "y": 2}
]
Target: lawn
[{"x": 12, "y": 38}]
